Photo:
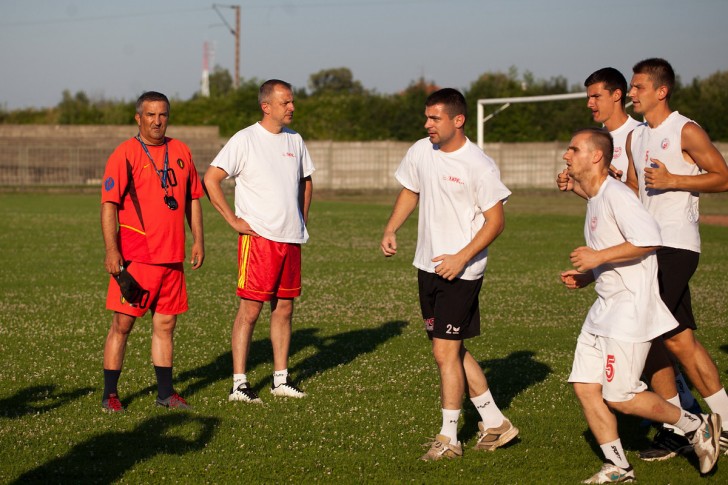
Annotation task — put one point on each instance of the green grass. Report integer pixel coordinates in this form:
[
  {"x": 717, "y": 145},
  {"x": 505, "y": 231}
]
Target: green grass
[{"x": 358, "y": 349}]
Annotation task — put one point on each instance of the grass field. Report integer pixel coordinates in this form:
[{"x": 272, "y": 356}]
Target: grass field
[{"x": 358, "y": 350}]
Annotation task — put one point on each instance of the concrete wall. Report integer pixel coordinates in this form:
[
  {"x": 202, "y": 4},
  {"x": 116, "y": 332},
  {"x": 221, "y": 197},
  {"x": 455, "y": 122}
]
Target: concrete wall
[{"x": 32, "y": 155}]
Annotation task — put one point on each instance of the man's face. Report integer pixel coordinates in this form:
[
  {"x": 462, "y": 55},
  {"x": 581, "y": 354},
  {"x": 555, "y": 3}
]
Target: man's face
[
  {"x": 579, "y": 156},
  {"x": 153, "y": 121},
  {"x": 643, "y": 93},
  {"x": 280, "y": 106},
  {"x": 440, "y": 127},
  {"x": 601, "y": 102}
]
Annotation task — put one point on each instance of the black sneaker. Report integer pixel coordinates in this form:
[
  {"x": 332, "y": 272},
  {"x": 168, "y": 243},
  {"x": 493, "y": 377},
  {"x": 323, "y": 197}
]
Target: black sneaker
[
  {"x": 287, "y": 389},
  {"x": 665, "y": 445},
  {"x": 244, "y": 393}
]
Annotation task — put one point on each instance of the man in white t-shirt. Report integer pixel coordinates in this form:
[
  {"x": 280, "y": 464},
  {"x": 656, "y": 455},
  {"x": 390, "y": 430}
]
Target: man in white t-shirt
[
  {"x": 671, "y": 161},
  {"x": 460, "y": 198},
  {"x": 615, "y": 339},
  {"x": 272, "y": 172},
  {"x": 607, "y": 92}
]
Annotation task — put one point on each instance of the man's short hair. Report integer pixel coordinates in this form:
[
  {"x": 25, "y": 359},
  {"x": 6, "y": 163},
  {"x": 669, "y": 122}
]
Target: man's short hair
[
  {"x": 150, "y": 96},
  {"x": 266, "y": 89},
  {"x": 452, "y": 100},
  {"x": 612, "y": 80},
  {"x": 659, "y": 71},
  {"x": 600, "y": 139}
]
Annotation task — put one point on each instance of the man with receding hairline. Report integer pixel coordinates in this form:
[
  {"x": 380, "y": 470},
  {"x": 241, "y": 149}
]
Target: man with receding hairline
[
  {"x": 272, "y": 171},
  {"x": 616, "y": 336}
]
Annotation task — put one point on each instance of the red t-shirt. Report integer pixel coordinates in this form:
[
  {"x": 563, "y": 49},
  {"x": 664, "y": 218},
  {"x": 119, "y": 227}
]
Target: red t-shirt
[{"x": 149, "y": 231}]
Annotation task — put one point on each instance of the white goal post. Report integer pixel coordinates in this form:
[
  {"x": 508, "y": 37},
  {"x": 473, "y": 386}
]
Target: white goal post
[{"x": 506, "y": 102}]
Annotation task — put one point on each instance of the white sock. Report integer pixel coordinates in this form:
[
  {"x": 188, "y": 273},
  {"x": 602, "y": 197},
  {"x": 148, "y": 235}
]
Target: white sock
[
  {"x": 489, "y": 412},
  {"x": 687, "y": 400},
  {"x": 239, "y": 379},
  {"x": 718, "y": 403},
  {"x": 450, "y": 424},
  {"x": 279, "y": 377},
  {"x": 688, "y": 422},
  {"x": 675, "y": 401},
  {"x": 614, "y": 452}
]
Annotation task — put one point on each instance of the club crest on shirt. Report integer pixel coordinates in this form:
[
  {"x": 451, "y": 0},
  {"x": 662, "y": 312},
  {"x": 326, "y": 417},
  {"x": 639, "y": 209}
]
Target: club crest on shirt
[
  {"x": 180, "y": 163},
  {"x": 108, "y": 184},
  {"x": 665, "y": 144},
  {"x": 593, "y": 223},
  {"x": 289, "y": 155},
  {"x": 617, "y": 152}
]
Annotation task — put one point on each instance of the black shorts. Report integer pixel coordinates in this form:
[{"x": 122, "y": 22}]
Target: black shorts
[
  {"x": 450, "y": 309},
  {"x": 675, "y": 268}
]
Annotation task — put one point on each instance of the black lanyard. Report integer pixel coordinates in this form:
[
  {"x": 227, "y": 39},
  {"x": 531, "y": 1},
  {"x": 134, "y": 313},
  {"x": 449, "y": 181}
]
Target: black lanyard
[
  {"x": 163, "y": 175},
  {"x": 169, "y": 200}
]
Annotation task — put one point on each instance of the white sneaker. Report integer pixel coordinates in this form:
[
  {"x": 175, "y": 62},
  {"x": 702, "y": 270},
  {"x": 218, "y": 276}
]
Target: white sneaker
[
  {"x": 244, "y": 393},
  {"x": 611, "y": 473},
  {"x": 287, "y": 389},
  {"x": 706, "y": 441}
]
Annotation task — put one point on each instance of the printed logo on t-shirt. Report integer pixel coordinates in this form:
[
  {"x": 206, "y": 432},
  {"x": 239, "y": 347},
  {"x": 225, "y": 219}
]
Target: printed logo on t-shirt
[
  {"x": 665, "y": 144},
  {"x": 108, "y": 184},
  {"x": 450, "y": 178},
  {"x": 617, "y": 152},
  {"x": 289, "y": 155},
  {"x": 593, "y": 223}
]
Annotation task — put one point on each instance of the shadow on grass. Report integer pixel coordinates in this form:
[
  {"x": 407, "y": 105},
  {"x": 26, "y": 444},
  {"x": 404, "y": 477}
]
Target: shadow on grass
[
  {"x": 342, "y": 348},
  {"x": 37, "y": 400},
  {"x": 105, "y": 458},
  {"x": 507, "y": 378},
  {"x": 332, "y": 351}
]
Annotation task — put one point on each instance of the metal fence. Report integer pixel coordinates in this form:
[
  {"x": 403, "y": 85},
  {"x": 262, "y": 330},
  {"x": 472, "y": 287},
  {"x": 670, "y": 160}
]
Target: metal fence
[{"x": 70, "y": 155}]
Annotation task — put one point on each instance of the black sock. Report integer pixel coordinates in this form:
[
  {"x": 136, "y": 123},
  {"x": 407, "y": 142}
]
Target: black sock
[
  {"x": 111, "y": 379},
  {"x": 164, "y": 381}
]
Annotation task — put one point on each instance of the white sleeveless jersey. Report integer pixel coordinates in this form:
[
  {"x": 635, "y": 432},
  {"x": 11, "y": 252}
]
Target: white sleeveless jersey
[
  {"x": 619, "y": 158},
  {"x": 675, "y": 211}
]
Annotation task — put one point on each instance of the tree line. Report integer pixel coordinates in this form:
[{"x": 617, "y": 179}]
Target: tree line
[{"x": 335, "y": 106}]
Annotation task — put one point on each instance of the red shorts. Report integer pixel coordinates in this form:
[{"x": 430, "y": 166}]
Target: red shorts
[
  {"x": 165, "y": 284},
  {"x": 268, "y": 269}
]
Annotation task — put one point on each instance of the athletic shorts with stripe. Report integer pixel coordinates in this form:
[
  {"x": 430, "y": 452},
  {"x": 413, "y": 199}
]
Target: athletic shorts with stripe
[
  {"x": 165, "y": 284},
  {"x": 268, "y": 269},
  {"x": 450, "y": 309}
]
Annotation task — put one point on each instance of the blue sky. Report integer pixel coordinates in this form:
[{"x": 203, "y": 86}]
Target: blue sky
[{"x": 116, "y": 50}]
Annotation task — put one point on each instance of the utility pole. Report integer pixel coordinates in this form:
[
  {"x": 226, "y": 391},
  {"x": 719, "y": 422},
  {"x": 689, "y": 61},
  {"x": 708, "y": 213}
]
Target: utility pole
[{"x": 236, "y": 34}]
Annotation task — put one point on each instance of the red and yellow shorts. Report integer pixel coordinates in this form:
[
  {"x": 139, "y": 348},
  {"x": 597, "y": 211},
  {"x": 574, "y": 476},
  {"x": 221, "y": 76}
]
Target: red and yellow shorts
[
  {"x": 268, "y": 269},
  {"x": 165, "y": 284}
]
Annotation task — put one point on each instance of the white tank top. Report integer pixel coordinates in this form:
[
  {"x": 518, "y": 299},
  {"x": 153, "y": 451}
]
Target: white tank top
[{"x": 676, "y": 211}]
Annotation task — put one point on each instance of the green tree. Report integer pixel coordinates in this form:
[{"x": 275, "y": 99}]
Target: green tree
[{"x": 337, "y": 80}]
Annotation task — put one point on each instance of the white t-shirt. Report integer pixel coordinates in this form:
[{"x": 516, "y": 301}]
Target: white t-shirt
[
  {"x": 628, "y": 307},
  {"x": 676, "y": 211},
  {"x": 454, "y": 190},
  {"x": 619, "y": 136},
  {"x": 268, "y": 169}
]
